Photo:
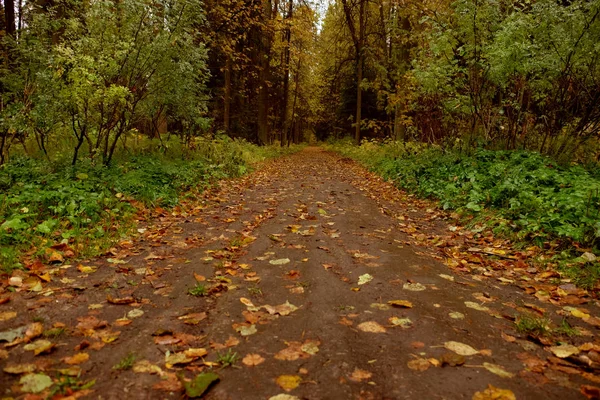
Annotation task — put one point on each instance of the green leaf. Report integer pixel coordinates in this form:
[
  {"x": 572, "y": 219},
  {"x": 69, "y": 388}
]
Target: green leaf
[
  {"x": 15, "y": 224},
  {"x": 200, "y": 384}
]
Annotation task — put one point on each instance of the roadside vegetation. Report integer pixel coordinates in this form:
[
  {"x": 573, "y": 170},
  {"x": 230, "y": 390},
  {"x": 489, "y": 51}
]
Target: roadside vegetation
[
  {"x": 88, "y": 207},
  {"x": 519, "y": 194}
]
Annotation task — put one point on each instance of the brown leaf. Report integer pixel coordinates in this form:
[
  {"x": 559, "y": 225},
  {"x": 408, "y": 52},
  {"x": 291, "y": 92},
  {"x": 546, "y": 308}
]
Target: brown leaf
[
  {"x": 253, "y": 360},
  {"x": 371, "y": 327},
  {"x": 359, "y": 375},
  {"x": 419, "y": 364},
  {"x": 120, "y": 300}
]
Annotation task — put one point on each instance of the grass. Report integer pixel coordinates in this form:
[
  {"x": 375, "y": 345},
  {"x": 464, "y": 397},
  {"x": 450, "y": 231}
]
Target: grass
[
  {"x": 199, "y": 290},
  {"x": 90, "y": 207},
  {"x": 565, "y": 329},
  {"x": 533, "y": 325},
  {"x": 126, "y": 363},
  {"x": 255, "y": 291},
  {"x": 227, "y": 359},
  {"x": 54, "y": 332}
]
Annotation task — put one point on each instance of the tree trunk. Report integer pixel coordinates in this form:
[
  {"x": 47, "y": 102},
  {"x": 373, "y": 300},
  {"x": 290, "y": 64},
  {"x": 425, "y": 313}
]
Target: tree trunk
[
  {"x": 263, "y": 94},
  {"x": 9, "y": 17},
  {"x": 359, "y": 75},
  {"x": 286, "y": 75},
  {"x": 227, "y": 99}
]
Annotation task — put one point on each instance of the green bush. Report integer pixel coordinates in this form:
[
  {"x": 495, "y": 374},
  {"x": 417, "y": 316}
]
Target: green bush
[{"x": 531, "y": 195}]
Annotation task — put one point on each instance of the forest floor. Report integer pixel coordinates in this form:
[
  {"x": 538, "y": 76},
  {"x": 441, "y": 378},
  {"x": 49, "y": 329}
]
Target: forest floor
[{"x": 310, "y": 278}]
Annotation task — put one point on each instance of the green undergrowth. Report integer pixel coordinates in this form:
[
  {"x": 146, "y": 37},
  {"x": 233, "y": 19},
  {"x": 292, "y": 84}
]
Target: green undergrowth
[
  {"x": 90, "y": 206},
  {"x": 522, "y": 195}
]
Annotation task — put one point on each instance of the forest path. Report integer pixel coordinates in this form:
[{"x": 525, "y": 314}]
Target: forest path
[{"x": 301, "y": 260}]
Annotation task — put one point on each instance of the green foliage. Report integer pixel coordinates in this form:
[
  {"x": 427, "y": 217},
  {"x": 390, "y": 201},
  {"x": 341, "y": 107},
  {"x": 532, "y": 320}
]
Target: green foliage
[
  {"x": 532, "y": 196},
  {"x": 126, "y": 363},
  {"x": 199, "y": 290},
  {"x": 227, "y": 359},
  {"x": 533, "y": 325},
  {"x": 90, "y": 206}
]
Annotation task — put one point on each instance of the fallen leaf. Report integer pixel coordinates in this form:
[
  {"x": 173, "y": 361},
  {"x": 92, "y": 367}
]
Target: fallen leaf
[
  {"x": 35, "y": 383},
  {"x": 288, "y": 382},
  {"x": 5, "y": 316},
  {"x": 452, "y": 359},
  {"x": 589, "y": 391},
  {"x": 146, "y": 367},
  {"x": 476, "y": 306},
  {"x": 86, "y": 270},
  {"x": 365, "y": 278},
  {"x": 76, "y": 359},
  {"x": 400, "y": 303},
  {"x": 195, "y": 353},
  {"x": 460, "y": 348},
  {"x": 18, "y": 369},
  {"x": 39, "y": 347},
  {"x": 564, "y": 350},
  {"x": 447, "y": 277},
  {"x": 121, "y": 300},
  {"x": 193, "y": 318},
  {"x": 494, "y": 393},
  {"x": 359, "y": 375},
  {"x": 282, "y": 309},
  {"x": 284, "y": 396},
  {"x": 177, "y": 358},
  {"x": 246, "y": 330},
  {"x": 200, "y": 384},
  {"x": 371, "y": 327},
  {"x": 252, "y": 360},
  {"x": 402, "y": 322},
  {"x": 456, "y": 315},
  {"x": 413, "y": 287},
  {"x": 419, "y": 364},
  {"x": 135, "y": 313},
  {"x": 281, "y": 261},
  {"x": 498, "y": 370}
]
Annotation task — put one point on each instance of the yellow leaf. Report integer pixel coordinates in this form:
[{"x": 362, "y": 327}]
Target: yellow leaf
[
  {"x": 564, "y": 350},
  {"x": 85, "y": 269},
  {"x": 5, "y": 316},
  {"x": 400, "y": 303},
  {"x": 200, "y": 352},
  {"x": 39, "y": 346},
  {"x": 498, "y": 370},
  {"x": 494, "y": 393},
  {"x": 288, "y": 382},
  {"x": 77, "y": 359}
]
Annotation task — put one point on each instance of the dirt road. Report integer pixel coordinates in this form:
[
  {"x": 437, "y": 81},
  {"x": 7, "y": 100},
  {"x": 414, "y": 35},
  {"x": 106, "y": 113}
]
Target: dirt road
[{"x": 326, "y": 283}]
